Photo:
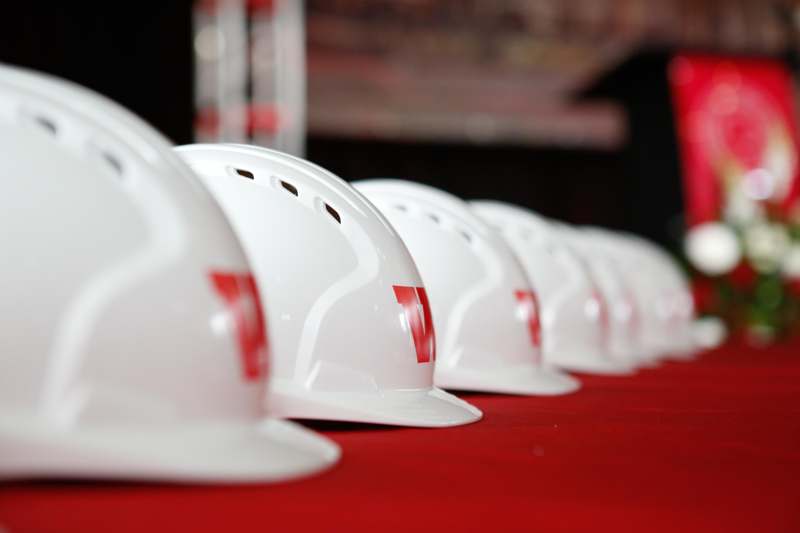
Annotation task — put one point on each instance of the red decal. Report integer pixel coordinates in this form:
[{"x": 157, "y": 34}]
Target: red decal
[
  {"x": 417, "y": 310},
  {"x": 603, "y": 316},
  {"x": 529, "y": 303},
  {"x": 240, "y": 294}
]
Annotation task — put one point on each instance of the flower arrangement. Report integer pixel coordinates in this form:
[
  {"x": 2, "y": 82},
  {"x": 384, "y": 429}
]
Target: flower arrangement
[
  {"x": 747, "y": 269},
  {"x": 740, "y": 151}
]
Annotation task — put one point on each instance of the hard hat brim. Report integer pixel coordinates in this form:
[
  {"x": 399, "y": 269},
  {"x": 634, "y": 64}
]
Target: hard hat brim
[
  {"x": 528, "y": 379},
  {"x": 418, "y": 407},
  {"x": 680, "y": 355},
  {"x": 587, "y": 363},
  {"x": 239, "y": 452},
  {"x": 648, "y": 362}
]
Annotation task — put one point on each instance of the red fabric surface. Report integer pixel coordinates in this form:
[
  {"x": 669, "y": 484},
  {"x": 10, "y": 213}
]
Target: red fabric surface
[{"x": 710, "y": 445}]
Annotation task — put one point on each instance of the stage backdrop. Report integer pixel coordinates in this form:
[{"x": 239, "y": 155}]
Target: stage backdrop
[{"x": 737, "y": 138}]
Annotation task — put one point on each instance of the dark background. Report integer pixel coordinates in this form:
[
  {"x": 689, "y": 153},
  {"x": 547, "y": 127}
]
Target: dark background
[
  {"x": 582, "y": 186},
  {"x": 141, "y": 56}
]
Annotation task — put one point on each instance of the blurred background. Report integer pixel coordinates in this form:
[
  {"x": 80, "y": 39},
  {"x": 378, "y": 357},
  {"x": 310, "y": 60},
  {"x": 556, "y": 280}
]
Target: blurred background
[{"x": 584, "y": 110}]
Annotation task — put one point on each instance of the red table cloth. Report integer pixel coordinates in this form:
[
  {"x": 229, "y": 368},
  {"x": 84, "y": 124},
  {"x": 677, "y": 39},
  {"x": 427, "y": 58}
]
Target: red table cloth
[{"x": 709, "y": 445}]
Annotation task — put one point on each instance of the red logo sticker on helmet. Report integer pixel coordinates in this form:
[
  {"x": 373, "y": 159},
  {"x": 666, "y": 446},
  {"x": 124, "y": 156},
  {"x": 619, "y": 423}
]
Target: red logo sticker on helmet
[
  {"x": 414, "y": 301},
  {"x": 529, "y": 304},
  {"x": 240, "y": 294},
  {"x": 601, "y": 314}
]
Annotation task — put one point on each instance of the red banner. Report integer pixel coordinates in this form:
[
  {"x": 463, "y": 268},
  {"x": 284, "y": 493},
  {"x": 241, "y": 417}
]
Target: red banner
[{"x": 737, "y": 136}]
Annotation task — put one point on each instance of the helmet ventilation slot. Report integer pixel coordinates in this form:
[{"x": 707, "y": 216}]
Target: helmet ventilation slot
[
  {"x": 289, "y": 187},
  {"x": 333, "y": 213},
  {"x": 245, "y": 173},
  {"x": 319, "y": 203},
  {"x": 109, "y": 157},
  {"x": 46, "y": 124},
  {"x": 112, "y": 161},
  {"x": 39, "y": 120},
  {"x": 96, "y": 151},
  {"x": 446, "y": 223}
]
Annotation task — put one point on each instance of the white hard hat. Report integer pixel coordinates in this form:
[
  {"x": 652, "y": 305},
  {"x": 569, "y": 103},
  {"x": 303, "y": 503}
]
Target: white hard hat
[
  {"x": 133, "y": 341},
  {"x": 665, "y": 301},
  {"x": 484, "y": 310},
  {"x": 574, "y": 315},
  {"x": 680, "y": 307},
  {"x": 352, "y": 333},
  {"x": 623, "y": 312},
  {"x": 649, "y": 335},
  {"x": 675, "y": 305}
]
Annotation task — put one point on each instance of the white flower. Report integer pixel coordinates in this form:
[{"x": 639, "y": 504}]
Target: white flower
[
  {"x": 766, "y": 245},
  {"x": 791, "y": 262},
  {"x": 709, "y": 332},
  {"x": 713, "y": 248}
]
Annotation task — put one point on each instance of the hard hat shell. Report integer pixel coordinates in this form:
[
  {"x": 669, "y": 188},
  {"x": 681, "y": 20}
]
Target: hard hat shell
[
  {"x": 678, "y": 301},
  {"x": 352, "y": 334},
  {"x": 648, "y": 333},
  {"x": 133, "y": 341},
  {"x": 607, "y": 276},
  {"x": 664, "y": 287},
  {"x": 574, "y": 317},
  {"x": 484, "y": 310}
]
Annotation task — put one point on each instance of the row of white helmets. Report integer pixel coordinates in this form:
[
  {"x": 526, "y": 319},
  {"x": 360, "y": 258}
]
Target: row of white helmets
[{"x": 164, "y": 308}]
